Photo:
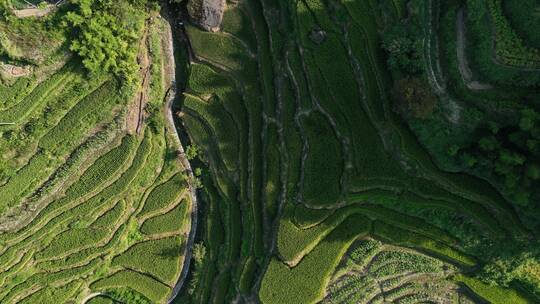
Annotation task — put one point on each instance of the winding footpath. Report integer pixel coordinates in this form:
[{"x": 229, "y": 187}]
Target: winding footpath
[
  {"x": 170, "y": 98},
  {"x": 463, "y": 64}
]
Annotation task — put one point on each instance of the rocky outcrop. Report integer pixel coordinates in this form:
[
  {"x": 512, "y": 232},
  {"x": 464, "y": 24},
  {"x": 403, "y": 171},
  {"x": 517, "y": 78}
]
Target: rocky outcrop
[{"x": 208, "y": 14}]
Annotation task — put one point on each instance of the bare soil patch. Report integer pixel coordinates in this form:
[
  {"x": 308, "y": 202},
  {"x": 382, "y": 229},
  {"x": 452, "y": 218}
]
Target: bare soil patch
[{"x": 34, "y": 12}]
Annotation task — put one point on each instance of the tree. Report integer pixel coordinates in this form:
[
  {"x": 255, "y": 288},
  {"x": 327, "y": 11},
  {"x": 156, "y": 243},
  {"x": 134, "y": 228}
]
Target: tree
[
  {"x": 414, "y": 98},
  {"x": 192, "y": 151},
  {"x": 105, "y": 33},
  {"x": 509, "y": 155},
  {"x": 528, "y": 119},
  {"x": 403, "y": 42},
  {"x": 533, "y": 171},
  {"x": 489, "y": 143}
]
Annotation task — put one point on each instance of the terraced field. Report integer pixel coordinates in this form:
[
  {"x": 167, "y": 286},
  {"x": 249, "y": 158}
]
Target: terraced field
[
  {"x": 94, "y": 198},
  {"x": 336, "y": 151},
  {"x": 372, "y": 272},
  {"x": 291, "y": 106}
]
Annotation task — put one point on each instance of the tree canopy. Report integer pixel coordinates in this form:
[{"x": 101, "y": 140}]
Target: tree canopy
[{"x": 106, "y": 34}]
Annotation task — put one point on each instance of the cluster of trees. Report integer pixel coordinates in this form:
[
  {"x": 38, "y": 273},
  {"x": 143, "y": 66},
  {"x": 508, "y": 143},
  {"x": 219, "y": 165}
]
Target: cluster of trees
[
  {"x": 517, "y": 262},
  {"x": 199, "y": 258},
  {"x": 414, "y": 98},
  {"x": 509, "y": 154},
  {"x": 106, "y": 34},
  {"x": 403, "y": 43}
]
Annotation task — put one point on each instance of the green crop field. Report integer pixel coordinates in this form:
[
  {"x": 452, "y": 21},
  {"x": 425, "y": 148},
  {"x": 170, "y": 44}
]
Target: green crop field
[
  {"x": 325, "y": 152},
  {"x": 270, "y": 151},
  {"x": 93, "y": 197}
]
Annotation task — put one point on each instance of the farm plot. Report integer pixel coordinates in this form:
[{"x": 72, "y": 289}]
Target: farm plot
[
  {"x": 304, "y": 153},
  {"x": 372, "y": 272},
  {"x": 320, "y": 133},
  {"x": 88, "y": 205}
]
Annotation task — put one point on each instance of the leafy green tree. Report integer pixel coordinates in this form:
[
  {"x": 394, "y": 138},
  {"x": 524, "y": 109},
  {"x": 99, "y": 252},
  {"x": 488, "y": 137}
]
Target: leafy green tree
[
  {"x": 510, "y": 264},
  {"x": 528, "y": 119},
  {"x": 489, "y": 143},
  {"x": 106, "y": 34},
  {"x": 533, "y": 171},
  {"x": 414, "y": 98},
  {"x": 192, "y": 151},
  {"x": 510, "y": 156}
]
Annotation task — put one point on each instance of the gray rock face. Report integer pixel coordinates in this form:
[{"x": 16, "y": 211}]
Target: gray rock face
[{"x": 208, "y": 14}]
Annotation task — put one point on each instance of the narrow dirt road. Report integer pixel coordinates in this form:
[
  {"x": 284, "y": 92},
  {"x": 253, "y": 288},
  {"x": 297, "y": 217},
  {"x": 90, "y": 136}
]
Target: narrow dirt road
[
  {"x": 33, "y": 12},
  {"x": 89, "y": 297},
  {"x": 463, "y": 64},
  {"x": 170, "y": 98}
]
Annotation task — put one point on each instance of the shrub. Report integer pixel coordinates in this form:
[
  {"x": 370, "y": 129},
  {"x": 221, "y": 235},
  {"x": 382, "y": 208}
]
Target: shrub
[
  {"x": 26, "y": 179},
  {"x": 53, "y": 294},
  {"x": 73, "y": 239},
  {"x": 103, "y": 168}
]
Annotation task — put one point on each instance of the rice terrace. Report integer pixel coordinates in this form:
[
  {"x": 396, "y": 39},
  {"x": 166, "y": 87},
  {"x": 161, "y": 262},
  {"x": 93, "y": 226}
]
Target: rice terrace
[{"x": 270, "y": 151}]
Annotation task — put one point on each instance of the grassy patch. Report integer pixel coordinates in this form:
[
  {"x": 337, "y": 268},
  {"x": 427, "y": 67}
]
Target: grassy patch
[{"x": 305, "y": 282}]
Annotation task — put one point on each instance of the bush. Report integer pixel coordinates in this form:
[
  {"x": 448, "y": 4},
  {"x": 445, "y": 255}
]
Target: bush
[
  {"x": 103, "y": 168},
  {"x": 482, "y": 55},
  {"x": 54, "y": 294},
  {"x": 74, "y": 239},
  {"x": 414, "y": 98}
]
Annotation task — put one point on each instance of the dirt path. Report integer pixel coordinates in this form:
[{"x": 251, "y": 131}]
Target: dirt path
[
  {"x": 135, "y": 116},
  {"x": 464, "y": 69},
  {"x": 34, "y": 12},
  {"x": 89, "y": 297},
  {"x": 433, "y": 70},
  {"x": 170, "y": 97},
  {"x": 14, "y": 71}
]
